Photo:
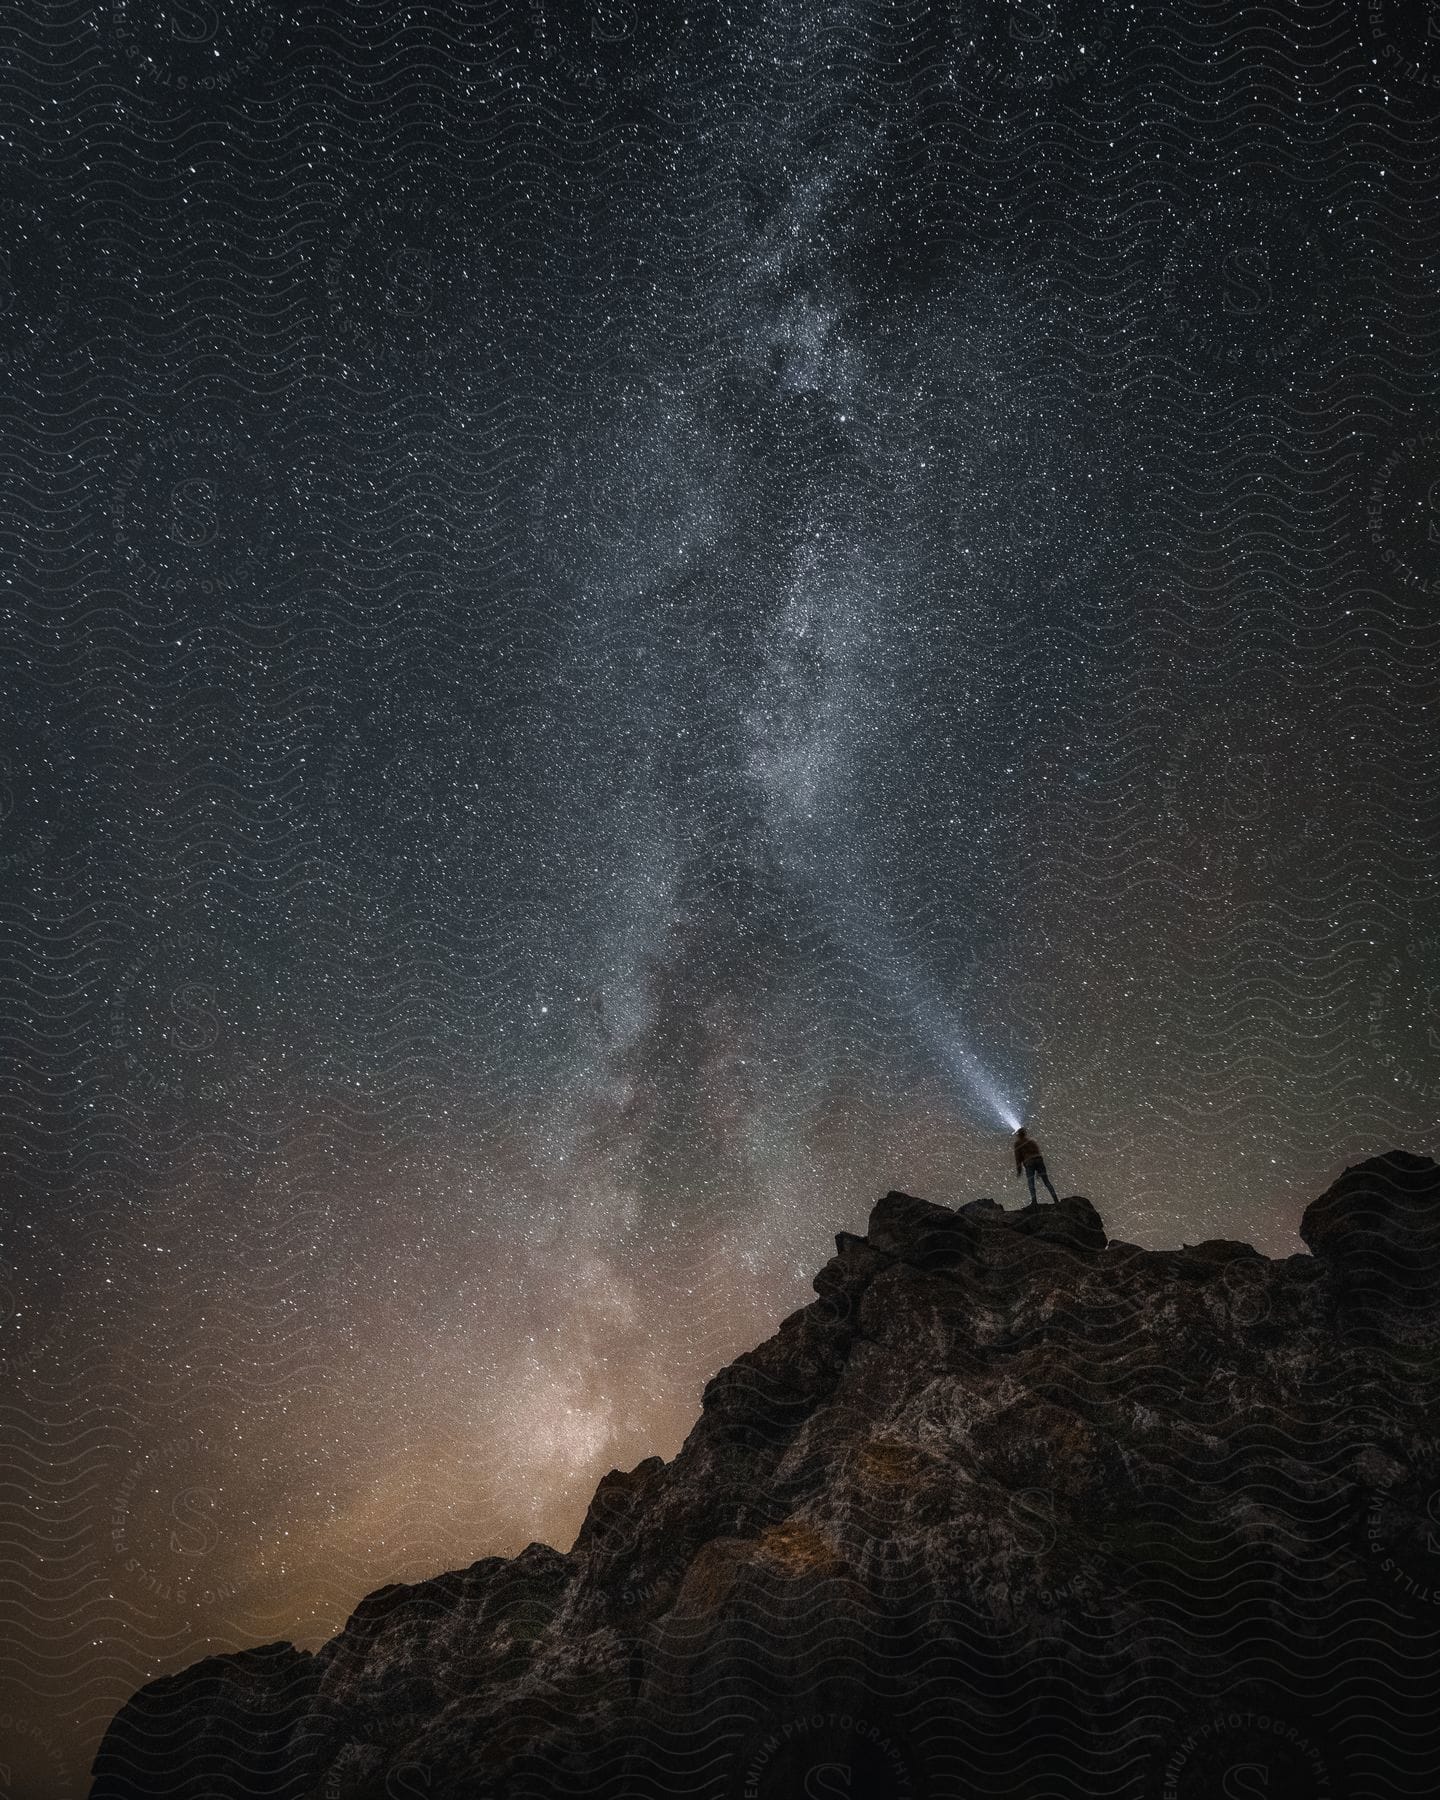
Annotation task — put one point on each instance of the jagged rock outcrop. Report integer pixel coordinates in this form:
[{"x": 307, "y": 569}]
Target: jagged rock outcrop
[{"x": 1009, "y": 1509}]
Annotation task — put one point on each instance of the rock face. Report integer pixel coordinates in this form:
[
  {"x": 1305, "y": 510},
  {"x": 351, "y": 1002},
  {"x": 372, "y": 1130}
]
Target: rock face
[{"x": 1008, "y": 1510}]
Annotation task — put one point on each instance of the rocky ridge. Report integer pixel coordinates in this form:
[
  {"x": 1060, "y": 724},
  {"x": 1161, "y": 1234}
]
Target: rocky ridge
[{"x": 1011, "y": 1508}]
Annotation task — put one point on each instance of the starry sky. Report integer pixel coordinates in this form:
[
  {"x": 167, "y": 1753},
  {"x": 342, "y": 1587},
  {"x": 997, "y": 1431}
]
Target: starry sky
[{"x": 625, "y": 626}]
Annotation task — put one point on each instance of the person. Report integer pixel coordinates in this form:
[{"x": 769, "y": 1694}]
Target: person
[{"x": 1029, "y": 1160}]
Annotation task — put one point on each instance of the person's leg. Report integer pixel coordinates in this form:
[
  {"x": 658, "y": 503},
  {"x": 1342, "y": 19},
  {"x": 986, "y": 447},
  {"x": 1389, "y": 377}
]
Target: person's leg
[
  {"x": 1030, "y": 1176},
  {"x": 1045, "y": 1177}
]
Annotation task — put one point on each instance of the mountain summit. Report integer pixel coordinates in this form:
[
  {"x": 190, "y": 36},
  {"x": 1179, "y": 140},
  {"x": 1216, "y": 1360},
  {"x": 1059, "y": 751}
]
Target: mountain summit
[{"x": 1010, "y": 1509}]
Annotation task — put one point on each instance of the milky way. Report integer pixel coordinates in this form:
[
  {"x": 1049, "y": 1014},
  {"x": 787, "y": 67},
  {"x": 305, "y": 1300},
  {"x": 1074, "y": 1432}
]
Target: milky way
[{"x": 627, "y": 627}]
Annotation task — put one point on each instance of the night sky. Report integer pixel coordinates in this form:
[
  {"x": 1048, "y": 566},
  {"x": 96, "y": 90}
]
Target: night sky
[{"x": 625, "y": 627}]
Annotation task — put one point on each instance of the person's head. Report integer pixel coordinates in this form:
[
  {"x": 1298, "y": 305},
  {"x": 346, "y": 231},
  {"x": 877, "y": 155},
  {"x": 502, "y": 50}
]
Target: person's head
[{"x": 1019, "y": 1131}]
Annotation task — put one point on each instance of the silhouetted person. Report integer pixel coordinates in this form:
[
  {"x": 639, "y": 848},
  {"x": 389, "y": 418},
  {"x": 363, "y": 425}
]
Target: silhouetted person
[{"x": 1029, "y": 1160}]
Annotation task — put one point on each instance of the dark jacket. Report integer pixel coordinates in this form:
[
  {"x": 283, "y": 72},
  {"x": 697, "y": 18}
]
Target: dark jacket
[{"x": 1026, "y": 1151}]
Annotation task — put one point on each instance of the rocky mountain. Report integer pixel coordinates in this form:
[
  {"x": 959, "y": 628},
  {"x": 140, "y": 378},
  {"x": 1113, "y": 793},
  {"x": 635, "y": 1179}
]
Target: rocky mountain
[{"x": 1010, "y": 1509}]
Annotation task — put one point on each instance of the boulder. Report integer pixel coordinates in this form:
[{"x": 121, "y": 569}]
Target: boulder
[
  {"x": 226, "y": 1728},
  {"x": 1377, "y": 1231}
]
